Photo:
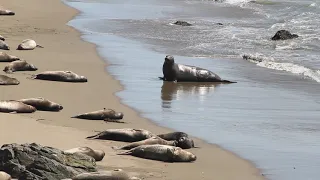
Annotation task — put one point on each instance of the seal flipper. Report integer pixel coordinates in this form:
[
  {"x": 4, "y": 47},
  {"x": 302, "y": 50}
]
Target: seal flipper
[
  {"x": 39, "y": 46},
  {"x": 161, "y": 78},
  {"x": 113, "y": 120},
  {"x": 125, "y": 153},
  {"x": 226, "y": 81}
]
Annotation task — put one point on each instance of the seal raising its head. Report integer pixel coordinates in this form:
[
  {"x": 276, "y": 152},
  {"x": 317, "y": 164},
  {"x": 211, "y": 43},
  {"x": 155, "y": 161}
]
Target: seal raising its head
[
  {"x": 184, "y": 73},
  {"x": 19, "y": 65}
]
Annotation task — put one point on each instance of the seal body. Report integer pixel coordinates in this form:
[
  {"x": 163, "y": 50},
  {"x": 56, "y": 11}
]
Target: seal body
[
  {"x": 6, "y": 80},
  {"x": 64, "y": 76},
  {"x": 4, "y": 57},
  {"x": 161, "y": 153},
  {"x": 182, "y": 139},
  {"x": 105, "y": 114},
  {"x": 173, "y": 135},
  {"x": 2, "y": 38},
  {"x": 5, "y": 12},
  {"x": 117, "y": 174},
  {"x": 4, "y": 45},
  {"x": 4, "y": 176},
  {"x": 28, "y": 44},
  {"x": 19, "y": 65},
  {"x": 185, "y": 73},
  {"x": 125, "y": 135},
  {"x": 96, "y": 154},
  {"x": 11, "y": 106},
  {"x": 150, "y": 141},
  {"x": 42, "y": 104}
]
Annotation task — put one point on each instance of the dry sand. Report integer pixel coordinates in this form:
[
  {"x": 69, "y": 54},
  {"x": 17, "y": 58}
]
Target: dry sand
[{"x": 45, "y": 22}]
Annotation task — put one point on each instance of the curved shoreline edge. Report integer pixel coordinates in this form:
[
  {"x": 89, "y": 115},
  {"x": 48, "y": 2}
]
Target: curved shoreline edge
[{"x": 65, "y": 50}]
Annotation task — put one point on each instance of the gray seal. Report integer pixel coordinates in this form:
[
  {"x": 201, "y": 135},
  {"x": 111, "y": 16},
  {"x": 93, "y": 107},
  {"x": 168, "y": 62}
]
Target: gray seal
[
  {"x": 104, "y": 114},
  {"x": 11, "y": 106},
  {"x": 150, "y": 141},
  {"x": 185, "y": 73},
  {"x": 19, "y": 65},
  {"x": 28, "y": 44},
  {"x": 4, "y": 57},
  {"x": 4, "y": 45},
  {"x": 125, "y": 135},
  {"x": 6, "y": 80},
  {"x": 117, "y": 174},
  {"x": 161, "y": 153},
  {"x": 181, "y": 138},
  {"x": 64, "y": 76},
  {"x": 42, "y": 104},
  {"x": 96, "y": 154}
]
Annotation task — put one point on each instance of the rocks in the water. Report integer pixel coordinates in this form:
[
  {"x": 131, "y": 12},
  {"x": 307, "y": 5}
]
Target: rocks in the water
[
  {"x": 182, "y": 23},
  {"x": 36, "y": 162},
  {"x": 283, "y": 35}
]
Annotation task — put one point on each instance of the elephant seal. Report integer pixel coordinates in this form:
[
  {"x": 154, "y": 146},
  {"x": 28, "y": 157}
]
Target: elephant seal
[
  {"x": 185, "y": 73},
  {"x": 105, "y": 114},
  {"x": 64, "y": 76},
  {"x": 2, "y": 38},
  {"x": 4, "y": 176},
  {"x": 28, "y": 44},
  {"x": 117, "y": 174},
  {"x": 42, "y": 104},
  {"x": 11, "y": 106},
  {"x": 150, "y": 141},
  {"x": 161, "y": 153},
  {"x": 5, "y": 12},
  {"x": 4, "y": 57},
  {"x": 125, "y": 135},
  {"x": 4, "y": 45},
  {"x": 6, "y": 80},
  {"x": 181, "y": 138},
  {"x": 19, "y": 65},
  {"x": 96, "y": 154}
]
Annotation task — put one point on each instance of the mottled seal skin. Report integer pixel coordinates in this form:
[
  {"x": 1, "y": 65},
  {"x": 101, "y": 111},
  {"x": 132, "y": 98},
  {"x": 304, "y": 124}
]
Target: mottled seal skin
[
  {"x": 6, "y": 80},
  {"x": 185, "y": 73},
  {"x": 4, "y": 57},
  {"x": 4, "y": 45},
  {"x": 161, "y": 153},
  {"x": 12, "y": 106},
  {"x": 181, "y": 138},
  {"x": 64, "y": 76},
  {"x": 2, "y": 38},
  {"x": 96, "y": 154},
  {"x": 117, "y": 174},
  {"x": 125, "y": 135},
  {"x": 150, "y": 141},
  {"x": 28, "y": 44},
  {"x": 105, "y": 114},
  {"x": 42, "y": 104},
  {"x": 4, "y": 176},
  {"x": 19, "y": 65},
  {"x": 5, "y": 12}
]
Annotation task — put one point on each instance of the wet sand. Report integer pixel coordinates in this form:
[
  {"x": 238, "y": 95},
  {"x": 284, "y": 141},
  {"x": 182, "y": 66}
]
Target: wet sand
[{"x": 45, "y": 22}]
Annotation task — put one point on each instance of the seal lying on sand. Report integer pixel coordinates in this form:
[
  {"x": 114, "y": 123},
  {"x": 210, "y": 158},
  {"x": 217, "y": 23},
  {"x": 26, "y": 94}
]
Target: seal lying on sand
[
  {"x": 2, "y": 38},
  {"x": 105, "y": 114},
  {"x": 65, "y": 76},
  {"x": 184, "y": 73},
  {"x": 161, "y": 153},
  {"x": 181, "y": 138},
  {"x": 28, "y": 44},
  {"x": 42, "y": 104},
  {"x": 117, "y": 174},
  {"x": 4, "y": 176},
  {"x": 150, "y": 141},
  {"x": 96, "y": 154},
  {"x": 19, "y": 65},
  {"x": 4, "y": 57},
  {"x": 125, "y": 134},
  {"x": 6, "y": 80},
  {"x": 4, "y": 45},
  {"x": 12, "y": 106},
  {"x": 6, "y": 12}
]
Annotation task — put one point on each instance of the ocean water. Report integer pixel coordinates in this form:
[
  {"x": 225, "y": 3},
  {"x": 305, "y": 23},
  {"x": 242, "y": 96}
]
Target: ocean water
[{"x": 270, "y": 117}]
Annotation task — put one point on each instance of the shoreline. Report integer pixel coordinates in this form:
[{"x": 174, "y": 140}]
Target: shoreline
[{"x": 222, "y": 163}]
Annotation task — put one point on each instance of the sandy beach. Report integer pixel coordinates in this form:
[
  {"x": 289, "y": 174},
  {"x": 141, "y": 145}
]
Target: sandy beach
[{"x": 45, "y": 22}]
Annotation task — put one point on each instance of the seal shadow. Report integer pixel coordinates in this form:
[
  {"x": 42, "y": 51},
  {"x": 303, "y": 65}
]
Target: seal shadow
[{"x": 171, "y": 91}]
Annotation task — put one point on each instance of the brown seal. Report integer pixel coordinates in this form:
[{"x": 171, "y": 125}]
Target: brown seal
[
  {"x": 161, "y": 153},
  {"x": 117, "y": 174},
  {"x": 19, "y": 65},
  {"x": 125, "y": 135},
  {"x": 64, "y": 76},
  {"x": 6, "y": 80},
  {"x": 96, "y": 154},
  {"x": 11, "y": 106},
  {"x": 4, "y": 45},
  {"x": 4, "y": 57},
  {"x": 28, "y": 44},
  {"x": 150, "y": 141},
  {"x": 105, "y": 114},
  {"x": 42, "y": 104}
]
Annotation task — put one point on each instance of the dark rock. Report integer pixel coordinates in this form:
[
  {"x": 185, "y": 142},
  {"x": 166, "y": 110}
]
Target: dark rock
[
  {"x": 283, "y": 35},
  {"x": 182, "y": 23},
  {"x": 36, "y": 162}
]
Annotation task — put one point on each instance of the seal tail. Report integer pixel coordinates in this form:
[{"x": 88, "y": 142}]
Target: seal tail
[
  {"x": 125, "y": 153},
  {"x": 38, "y": 45}
]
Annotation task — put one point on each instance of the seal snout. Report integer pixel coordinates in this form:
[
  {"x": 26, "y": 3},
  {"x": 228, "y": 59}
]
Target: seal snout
[{"x": 169, "y": 59}]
